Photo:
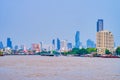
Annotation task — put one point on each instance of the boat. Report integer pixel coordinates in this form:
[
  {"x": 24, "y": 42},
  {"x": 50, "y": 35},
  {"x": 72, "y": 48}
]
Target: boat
[{"x": 110, "y": 56}]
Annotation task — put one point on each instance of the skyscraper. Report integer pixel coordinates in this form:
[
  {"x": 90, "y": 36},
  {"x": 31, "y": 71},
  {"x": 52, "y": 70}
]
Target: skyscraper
[
  {"x": 58, "y": 44},
  {"x": 77, "y": 39},
  {"x": 69, "y": 45},
  {"x": 105, "y": 41},
  {"x": 9, "y": 43},
  {"x": 53, "y": 44},
  {"x": 99, "y": 25},
  {"x": 90, "y": 44},
  {"x": 1, "y": 45}
]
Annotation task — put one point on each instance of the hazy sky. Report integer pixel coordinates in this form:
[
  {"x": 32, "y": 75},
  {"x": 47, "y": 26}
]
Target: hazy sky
[{"x": 32, "y": 21}]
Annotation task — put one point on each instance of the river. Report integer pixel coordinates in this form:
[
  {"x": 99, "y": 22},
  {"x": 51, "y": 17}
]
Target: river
[{"x": 58, "y": 68}]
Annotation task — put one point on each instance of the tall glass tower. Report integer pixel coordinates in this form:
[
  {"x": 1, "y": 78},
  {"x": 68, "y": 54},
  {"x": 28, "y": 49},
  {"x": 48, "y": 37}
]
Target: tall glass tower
[
  {"x": 53, "y": 44},
  {"x": 77, "y": 39},
  {"x": 1, "y": 45},
  {"x": 9, "y": 43},
  {"x": 58, "y": 44},
  {"x": 100, "y": 25},
  {"x": 90, "y": 44}
]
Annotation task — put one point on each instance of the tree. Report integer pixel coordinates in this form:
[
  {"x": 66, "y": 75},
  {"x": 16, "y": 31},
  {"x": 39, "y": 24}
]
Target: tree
[
  {"x": 90, "y": 50},
  {"x": 74, "y": 51},
  {"x": 56, "y": 53},
  {"x": 83, "y": 51},
  {"x": 118, "y": 50},
  {"x": 1, "y": 53},
  {"x": 107, "y": 52}
]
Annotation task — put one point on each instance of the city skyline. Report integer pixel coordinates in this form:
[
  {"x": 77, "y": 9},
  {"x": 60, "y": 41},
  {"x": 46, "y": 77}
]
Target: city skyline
[{"x": 27, "y": 21}]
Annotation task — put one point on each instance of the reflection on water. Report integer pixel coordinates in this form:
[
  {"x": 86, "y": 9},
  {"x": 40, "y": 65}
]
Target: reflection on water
[{"x": 58, "y": 68}]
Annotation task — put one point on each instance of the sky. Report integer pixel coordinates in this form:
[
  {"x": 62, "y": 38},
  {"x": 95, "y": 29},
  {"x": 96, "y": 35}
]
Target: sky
[{"x": 34, "y": 21}]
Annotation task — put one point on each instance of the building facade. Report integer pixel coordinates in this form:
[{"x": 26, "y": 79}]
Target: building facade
[
  {"x": 105, "y": 40},
  {"x": 77, "y": 39},
  {"x": 53, "y": 44},
  {"x": 36, "y": 47},
  {"x": 41, "y": 47},
  {"x": 69, "y": 45},
  {"x": 9, "y": 43},
  {"x": 24, "y": 48},
  {"x": 1, "y": 45},
  {"x": 99, "y": 25},
  {"x": 63, "y": 47},
  {"x": 58, "y": 44},
  {"x": 90, "y": 44}
]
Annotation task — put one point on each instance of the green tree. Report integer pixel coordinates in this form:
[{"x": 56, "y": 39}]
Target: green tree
[
  {"x": 83, "y": 51},
  {"x": 107, "y": 52},
  {"x": 1, "y": 53},
  {"x": 118, "y": 50},
  {"x": 90, "y": 50},
  {"x": 74, "y": 51}
]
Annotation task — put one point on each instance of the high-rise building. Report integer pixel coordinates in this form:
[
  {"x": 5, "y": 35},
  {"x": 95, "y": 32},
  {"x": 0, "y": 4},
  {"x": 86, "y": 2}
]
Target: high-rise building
[
  {"x": 90, "y": 44},
  {"x": 9, "y": 43},
  {"x": 53, "y": 44},
  {"x": 77, "y": 39},
  {"x": 69, "y": 45},
  {"x": 99, "y": 25},
  {"x": 58, "y": 44},
  {"x": 1, "y": 45},
  {"x": 16, "y": 47},
  {"x": 105, "y": 41},
  {"x": 63, "y": 47}
]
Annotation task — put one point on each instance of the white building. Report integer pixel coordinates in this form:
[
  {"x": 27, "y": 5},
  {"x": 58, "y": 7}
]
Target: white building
[
  {"x": 63, "y": 47},
  {"x": 105, "y": 40}
]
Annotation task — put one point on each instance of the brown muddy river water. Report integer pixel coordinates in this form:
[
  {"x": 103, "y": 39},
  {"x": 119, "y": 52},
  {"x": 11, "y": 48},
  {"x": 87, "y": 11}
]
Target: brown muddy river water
[{"x": 58, "y": 68}]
